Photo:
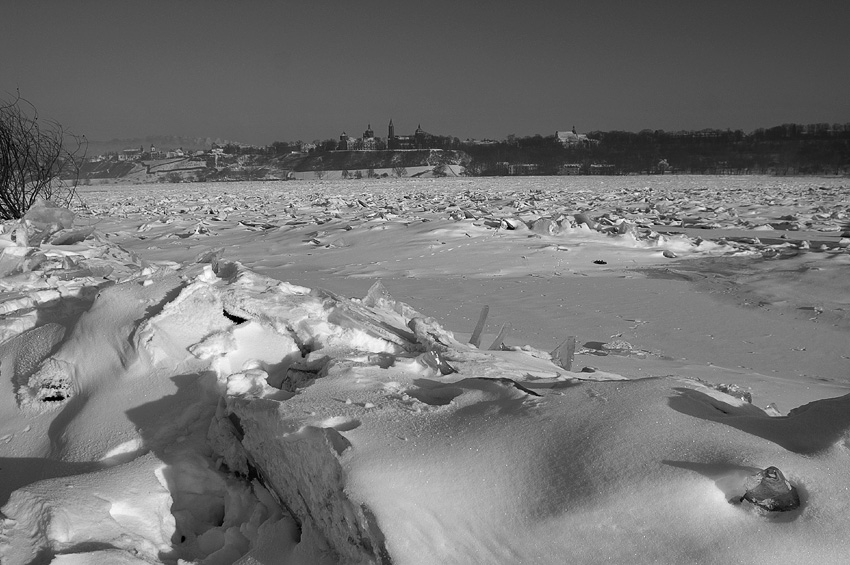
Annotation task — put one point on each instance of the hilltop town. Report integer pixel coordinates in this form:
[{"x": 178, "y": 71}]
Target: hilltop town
[{"x": 787, "y": 149}]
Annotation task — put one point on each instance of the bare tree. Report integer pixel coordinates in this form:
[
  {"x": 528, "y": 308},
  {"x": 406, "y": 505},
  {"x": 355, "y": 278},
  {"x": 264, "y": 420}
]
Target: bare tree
[
  {"x": 38, "y": 158},
  {"x": 318, "y": 168},
  {"x": 399, "y": 171}
]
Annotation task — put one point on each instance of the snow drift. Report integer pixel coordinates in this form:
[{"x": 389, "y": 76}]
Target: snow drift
[{"x": 200, "y": 412}]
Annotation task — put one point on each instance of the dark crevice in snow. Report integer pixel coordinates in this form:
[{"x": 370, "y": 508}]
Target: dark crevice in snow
[
  {"x": 226, "y": 426},
  {"x": 376, "y": 534},
  {"x": 306, "y": 348},
  {"x": 302, "y": 373},
  {"x": 234, "y": 318},
  {"x": 256, "y": 474},
  {"x": 434, "y": 393},
  {"x": 509, "y": 382},
  {"x": 237, "y": 425},
  {"x": 86, "y": 547},
  {"x": 51, "y": 383},
  {"x": 337, "y": 441},
  {"x": 304, "y": 474},
  {"x": 44, "y": 556},
  {"x": 154, "y": 310}
]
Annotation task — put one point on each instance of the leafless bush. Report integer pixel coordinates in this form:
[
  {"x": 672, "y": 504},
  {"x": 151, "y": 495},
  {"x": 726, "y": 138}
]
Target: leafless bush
[{"x": 37, "y": 158}]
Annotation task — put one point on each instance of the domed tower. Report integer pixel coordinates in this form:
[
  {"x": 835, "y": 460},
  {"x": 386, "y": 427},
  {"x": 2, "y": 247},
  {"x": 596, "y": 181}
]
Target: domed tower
[
  {"x": 368, "y": 134},
  {"x": 419, "y": 137}
]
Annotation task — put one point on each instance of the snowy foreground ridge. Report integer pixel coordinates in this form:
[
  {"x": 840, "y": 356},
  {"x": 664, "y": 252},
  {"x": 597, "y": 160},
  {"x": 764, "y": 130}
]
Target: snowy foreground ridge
[{"x": 203, "y": 413}]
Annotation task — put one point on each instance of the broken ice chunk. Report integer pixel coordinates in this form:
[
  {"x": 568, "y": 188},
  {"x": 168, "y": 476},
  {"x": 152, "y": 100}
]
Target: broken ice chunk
[{"x": 770, "y": 490}]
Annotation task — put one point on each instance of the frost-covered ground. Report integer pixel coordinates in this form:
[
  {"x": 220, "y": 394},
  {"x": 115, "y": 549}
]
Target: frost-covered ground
[{"x": 209, "y": 373}]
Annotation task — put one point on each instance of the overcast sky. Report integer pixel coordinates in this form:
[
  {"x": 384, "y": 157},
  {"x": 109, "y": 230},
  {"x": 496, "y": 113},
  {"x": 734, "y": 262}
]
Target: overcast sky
[{"x": 260, "y": 71}]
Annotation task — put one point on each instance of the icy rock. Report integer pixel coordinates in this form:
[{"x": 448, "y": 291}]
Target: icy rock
[
  {"x": 379, "y": 297},
  {"x": 110, "y": 556},
  {"x": 44, "y": 215},
  {"x": 70, "y": 236},
  {"x": 513, "y": 224},
  {"x": 617, "y": 345},
  {"x": 545, "y": 226},
  {"x": 252, "y": 382},
  {"x": 434, "y": 360},
  {"x": 770, "y": 490},
  {"x": 371, "y": 324},
  {"x": 211, "y": 256},
  {"x": 431, "y": 334},
  {"x": 12, "y": 259},
  {"x": 22, "y": 237},
  {"x": 582, "y": 218},
  {"x": 736, "y": 391},
  {"x": 625, "y": 227}
]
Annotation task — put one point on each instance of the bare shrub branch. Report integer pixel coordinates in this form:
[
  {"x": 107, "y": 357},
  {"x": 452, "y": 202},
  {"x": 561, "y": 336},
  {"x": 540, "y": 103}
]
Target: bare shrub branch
[{"x": 38, "y": 158}]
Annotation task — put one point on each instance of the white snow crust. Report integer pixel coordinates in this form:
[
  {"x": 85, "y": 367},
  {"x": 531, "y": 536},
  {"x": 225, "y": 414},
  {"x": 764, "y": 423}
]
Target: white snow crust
[{"x": 166, "y": 398}]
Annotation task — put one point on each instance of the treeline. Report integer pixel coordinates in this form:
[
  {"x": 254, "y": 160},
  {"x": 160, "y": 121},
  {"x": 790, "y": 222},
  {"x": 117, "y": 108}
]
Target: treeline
[{"x": 788, "y": 149}]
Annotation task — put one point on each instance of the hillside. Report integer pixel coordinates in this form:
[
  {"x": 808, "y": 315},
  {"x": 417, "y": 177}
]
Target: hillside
[
  {"x": 356, "y": 160},
  {"x": 333, "y": 164},
  {"x": 159, "y": 170},
  {"x": 160, "y": 141}
]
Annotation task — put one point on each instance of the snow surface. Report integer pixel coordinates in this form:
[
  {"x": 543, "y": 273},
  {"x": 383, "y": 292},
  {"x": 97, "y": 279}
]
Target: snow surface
[{"x": 210, "y": 373}]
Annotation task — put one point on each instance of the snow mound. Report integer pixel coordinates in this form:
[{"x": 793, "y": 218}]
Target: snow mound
[{"x": 205, "y": 413}]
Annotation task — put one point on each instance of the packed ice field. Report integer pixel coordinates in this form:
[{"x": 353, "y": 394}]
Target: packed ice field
[{"x": 304, "y": 372}]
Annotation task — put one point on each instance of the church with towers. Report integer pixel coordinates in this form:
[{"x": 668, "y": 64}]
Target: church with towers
[
  {"x": 415, "y": 141},
  {"x": 368, "y": 141}
]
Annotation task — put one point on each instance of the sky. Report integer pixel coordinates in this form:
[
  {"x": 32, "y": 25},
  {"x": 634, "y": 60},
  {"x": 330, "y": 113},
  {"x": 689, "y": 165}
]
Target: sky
[{"x": 259, "y": 71}]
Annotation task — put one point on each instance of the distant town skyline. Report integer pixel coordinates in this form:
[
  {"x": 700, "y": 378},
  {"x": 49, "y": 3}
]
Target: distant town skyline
[{"x": 258, "y": 72}]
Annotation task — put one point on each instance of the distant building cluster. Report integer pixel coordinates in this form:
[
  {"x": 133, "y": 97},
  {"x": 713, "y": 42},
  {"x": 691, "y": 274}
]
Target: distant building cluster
[
  {"x": 139, "y": 154},
  {"x": 368, "y": 142},
  {"x": 572, "y": 139}
]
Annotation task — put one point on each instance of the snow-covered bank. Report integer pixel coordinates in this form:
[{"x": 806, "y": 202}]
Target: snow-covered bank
[{"x": 167, "y": 396}]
